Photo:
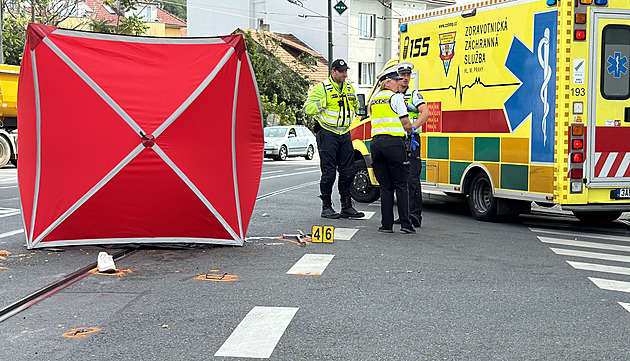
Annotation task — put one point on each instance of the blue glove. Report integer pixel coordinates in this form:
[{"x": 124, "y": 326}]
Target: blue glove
[
  {"x": 414, "y": 143},
  {"x": 412, "y": 108}
]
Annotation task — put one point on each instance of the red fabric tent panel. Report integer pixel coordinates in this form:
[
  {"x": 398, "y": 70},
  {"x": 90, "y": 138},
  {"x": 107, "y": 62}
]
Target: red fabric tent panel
[
  {"x": 151, "y": 80},
  {"x": 28, "y": 139},
  {"x": 79, "y": 131},
  {"x": 146, "y": 199},
  {"x": 249, "y": 147},
  {"x": 199, "y": 142}
]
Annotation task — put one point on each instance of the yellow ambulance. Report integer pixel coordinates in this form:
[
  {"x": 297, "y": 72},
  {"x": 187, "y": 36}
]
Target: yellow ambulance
[{"x": 529, "y": 101}]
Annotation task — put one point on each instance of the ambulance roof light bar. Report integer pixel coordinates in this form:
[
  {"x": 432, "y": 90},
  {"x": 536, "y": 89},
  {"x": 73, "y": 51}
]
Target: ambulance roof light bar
[
  {"x": 601, "y": 2},
  {"x": 551, "y": 2}
]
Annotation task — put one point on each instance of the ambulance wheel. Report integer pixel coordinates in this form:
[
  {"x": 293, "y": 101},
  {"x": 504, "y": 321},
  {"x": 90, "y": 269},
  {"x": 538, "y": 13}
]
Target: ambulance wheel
[
  {"x": 5, "y": 151},
  {"x": 282, "y": 153},
  {"x": 309, "y": 153},
  {"x": 597, "y": 217},
  {"x": 362, "y": 189},
  {"x": 481, "y": 202}
]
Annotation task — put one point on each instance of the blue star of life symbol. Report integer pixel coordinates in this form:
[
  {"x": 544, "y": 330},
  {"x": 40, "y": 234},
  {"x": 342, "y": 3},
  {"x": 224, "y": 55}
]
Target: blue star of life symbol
[{"x": 617, "y": 65}]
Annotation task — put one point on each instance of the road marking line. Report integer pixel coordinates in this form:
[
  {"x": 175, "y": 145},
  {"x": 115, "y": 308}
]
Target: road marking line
[
  {"x": 567, "y": 242},
  {"x": 258, "y": 333},
  {"x": 286, "y": 190},
  {"x": 344, "y": 234},
  {"x": 578, "y": 234},
  {"x": 625, "y": 305},
  {"x": 594, "y": 255},
  {"x": 611, "y": 285},
  {"x": 311, "y": 264},
  {"x": 8, "y": 187},
  {"x": 290, "y": 174},
  {"x": 271, "y": 171},
  {"x": 12, "y": 233},
  {"x": 599, "y": 268}
]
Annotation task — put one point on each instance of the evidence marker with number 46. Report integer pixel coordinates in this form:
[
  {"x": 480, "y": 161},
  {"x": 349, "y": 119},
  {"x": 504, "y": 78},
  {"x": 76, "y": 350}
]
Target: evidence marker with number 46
[{"x": 323, "y": 234}]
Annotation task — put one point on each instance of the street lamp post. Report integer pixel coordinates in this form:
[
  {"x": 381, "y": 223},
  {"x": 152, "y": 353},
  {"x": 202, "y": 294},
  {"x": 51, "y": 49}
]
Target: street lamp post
[{"x": 330, "y": 37}]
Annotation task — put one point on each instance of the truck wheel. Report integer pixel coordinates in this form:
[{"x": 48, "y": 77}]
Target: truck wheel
[
  {"x": 481, "y": 202},
  {"x": 362, "y": 189},
  {"x": 309, "y": 153},
  {"x": 597, "y": 217},
  {"x": 5, "y": 152}
]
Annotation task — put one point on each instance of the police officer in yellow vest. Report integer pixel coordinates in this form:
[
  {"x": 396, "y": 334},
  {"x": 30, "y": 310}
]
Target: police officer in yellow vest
[
  {"x": 334, "y": 103},
  {"x": 390, "y": 124},
  {"x": 418, "y": 114}
]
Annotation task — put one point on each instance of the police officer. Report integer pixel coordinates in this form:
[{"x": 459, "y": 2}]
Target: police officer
[
  {"x": 418, "y": 114},
  {"x": 390, "y": 123},
  {"x": 334, "y": 103}
]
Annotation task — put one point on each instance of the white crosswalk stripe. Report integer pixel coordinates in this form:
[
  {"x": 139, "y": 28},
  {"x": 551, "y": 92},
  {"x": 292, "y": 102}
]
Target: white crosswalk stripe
[
  {"x": 573, "y": 243},
  {"x": 311, "y": 265},
  {"x": 600, "y": 268},
  {"x": 258, "y": 333}
]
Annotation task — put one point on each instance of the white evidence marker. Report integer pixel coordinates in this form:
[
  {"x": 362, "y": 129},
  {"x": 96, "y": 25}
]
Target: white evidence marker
[
  {"x": 258, "y": 333},
  {"x": 311, "y": 264}
]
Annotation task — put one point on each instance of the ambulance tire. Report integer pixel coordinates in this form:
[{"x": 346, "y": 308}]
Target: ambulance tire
[
  {"x": 5, "y": 151},
  {"x": 362, "y": 189},
  {"x": 481, "y": 202},
  {"x": 597, "y": 217}
]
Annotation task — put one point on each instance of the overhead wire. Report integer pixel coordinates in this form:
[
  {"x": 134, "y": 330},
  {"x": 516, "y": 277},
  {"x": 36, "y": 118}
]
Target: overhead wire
[{"x": 287, "y": 24}]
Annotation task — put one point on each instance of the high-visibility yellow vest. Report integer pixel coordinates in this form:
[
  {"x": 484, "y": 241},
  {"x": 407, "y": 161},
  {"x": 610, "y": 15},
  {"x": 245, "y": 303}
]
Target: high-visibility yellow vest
[
  {"x": 340, "y": 108},
  {"x": 384, "y": 118},
  {"x": 412, "y": 115}
]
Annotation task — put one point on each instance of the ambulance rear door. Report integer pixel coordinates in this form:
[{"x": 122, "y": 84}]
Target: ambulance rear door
[{"x": 608, "y": 122}]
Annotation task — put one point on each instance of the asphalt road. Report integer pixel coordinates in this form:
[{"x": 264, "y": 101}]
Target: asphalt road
[{"x": 459, "y": 289}]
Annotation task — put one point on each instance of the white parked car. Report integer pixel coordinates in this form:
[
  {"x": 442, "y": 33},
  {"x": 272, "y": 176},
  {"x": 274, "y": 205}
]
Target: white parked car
[{"x": 289, "y": 141}]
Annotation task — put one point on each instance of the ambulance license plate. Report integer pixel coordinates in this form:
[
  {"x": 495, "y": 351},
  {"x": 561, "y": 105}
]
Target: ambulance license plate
[{"x": 623, "y": 193}]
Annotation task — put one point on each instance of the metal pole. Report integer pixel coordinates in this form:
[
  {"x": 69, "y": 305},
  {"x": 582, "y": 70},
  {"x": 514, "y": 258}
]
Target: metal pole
[
  {"x": 1, "y": 24},
  {"x": 330, "y": 37},
  {"x": 33, "y": 11},
  {"x": 117, "y": 15}
]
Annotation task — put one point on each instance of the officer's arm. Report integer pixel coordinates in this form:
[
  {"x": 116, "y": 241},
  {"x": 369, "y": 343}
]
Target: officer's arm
[
  {"x": 316, "y": 100},
  {"x": 423, "y": 117},
  {"x": 399, "y": 106}
]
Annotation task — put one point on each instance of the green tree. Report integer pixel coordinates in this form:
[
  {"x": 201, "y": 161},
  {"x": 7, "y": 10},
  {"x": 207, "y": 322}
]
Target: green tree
[
  {"x": 177, "y": 8},
  {"x": 13, "y": 39},
  {"x": 282, "y": 90}
]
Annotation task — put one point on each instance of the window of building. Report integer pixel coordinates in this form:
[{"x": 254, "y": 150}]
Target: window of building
[
  {"x": 366, "y": 73},
  {"x": 366, "y": 25}
]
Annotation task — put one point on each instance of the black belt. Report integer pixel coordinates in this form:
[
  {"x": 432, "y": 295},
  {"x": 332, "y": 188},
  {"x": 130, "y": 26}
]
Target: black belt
[{"x": 387, "y": 136}]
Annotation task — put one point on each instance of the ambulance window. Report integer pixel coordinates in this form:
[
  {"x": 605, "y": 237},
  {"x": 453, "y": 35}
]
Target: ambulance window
[{"x": 615, "y": 78}]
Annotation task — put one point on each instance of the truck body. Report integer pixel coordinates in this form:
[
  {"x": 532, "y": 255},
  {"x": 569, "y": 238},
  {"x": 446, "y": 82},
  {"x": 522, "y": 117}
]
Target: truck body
[
  {"x": 529, "y": 101},
  {"x": 9, "y": 75}
]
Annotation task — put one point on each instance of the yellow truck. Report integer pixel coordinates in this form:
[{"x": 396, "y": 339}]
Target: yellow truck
[
  {"x": 8, "y": 113},
  {"x": 529, "y": 102}
]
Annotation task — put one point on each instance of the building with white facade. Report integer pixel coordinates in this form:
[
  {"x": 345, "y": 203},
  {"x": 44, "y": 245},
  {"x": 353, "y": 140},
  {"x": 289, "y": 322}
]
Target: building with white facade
[{"x": 365, "y": 34}]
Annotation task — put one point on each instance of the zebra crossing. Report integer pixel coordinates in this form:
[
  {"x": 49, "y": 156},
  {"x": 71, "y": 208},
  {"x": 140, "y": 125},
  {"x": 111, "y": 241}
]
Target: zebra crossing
[
  {"x": 8, "y": 178},
  {"x": 604, "y": 255}
]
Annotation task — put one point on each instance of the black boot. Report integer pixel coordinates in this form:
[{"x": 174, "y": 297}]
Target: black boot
[
  {"x": 348, "y": 211},
  {"x": 416, "y": 220},
  {"x": 327, "y": 209}
]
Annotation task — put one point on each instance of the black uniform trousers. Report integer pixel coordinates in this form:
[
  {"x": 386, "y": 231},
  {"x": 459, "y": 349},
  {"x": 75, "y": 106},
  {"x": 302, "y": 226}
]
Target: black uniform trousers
[
  {"x": 415, "y": 189},
  {"x": 391, "y": 168},
  {"x": 335, "y": 155}
]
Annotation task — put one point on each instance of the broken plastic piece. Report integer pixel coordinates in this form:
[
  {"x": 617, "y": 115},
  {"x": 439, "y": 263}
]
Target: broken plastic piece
[{"x": 106, "y": 263}]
